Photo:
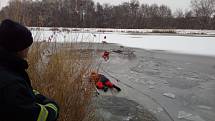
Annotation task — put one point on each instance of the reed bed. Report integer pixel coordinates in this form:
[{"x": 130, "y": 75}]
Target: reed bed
[{"x": 60, "y": 72}]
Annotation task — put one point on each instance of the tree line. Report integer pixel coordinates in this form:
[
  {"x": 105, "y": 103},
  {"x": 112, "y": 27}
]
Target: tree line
[{"x": 128, "y": 15}]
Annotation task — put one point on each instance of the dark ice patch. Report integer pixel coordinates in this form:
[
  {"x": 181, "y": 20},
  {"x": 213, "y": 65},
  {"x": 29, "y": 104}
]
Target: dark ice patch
[{"x": 121, "y": 109}]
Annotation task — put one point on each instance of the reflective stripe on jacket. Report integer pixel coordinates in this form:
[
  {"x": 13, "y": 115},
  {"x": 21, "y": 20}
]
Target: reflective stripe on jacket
[{"x": 17, "y": 99}]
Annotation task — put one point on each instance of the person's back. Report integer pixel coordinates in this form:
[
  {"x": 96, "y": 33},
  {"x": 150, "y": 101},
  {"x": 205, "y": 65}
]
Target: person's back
[
  {"x": 18, "y": 101},
  {"x": 103, "y": 78},
  {"x": 14, "y": 88}
]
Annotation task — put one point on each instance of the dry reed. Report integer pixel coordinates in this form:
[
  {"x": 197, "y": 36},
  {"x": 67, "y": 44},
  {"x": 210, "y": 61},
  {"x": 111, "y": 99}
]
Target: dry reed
[{"x": 59, "y": 71}]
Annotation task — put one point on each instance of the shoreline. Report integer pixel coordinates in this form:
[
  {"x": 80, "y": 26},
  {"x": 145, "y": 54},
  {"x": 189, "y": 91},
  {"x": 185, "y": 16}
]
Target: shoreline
[
  {"x": 164, "y": 32},
  {"x": 171, "y": 34}
]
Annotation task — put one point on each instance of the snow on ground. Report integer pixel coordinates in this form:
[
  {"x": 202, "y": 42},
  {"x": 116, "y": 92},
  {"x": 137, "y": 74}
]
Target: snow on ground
[
  {"x": 200, "y": 45},
  {"x": 178, "y": 31}
]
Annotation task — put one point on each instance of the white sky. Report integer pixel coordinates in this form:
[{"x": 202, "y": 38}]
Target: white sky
[
  {"x": 3, "y": 3},
  {"x": 173, "y": 4}
]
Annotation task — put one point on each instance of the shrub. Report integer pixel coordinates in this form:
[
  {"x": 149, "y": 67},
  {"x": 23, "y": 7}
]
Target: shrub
[{"x": 163, "y": 31}]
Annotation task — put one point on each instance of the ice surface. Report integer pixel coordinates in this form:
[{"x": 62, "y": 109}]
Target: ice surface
[
  {"x": 181, "y": 44},
  {"x": 189, "y": 116},
  {"x": 170, "y": 95},
  {"x": 204, "y": 107},
  {"x": 151, "y": 87},
  {"x": 182, "y": 114}
]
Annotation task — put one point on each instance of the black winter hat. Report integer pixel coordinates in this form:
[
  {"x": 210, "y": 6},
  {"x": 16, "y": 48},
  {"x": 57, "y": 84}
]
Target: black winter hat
[{"x": 14, "y": 37}]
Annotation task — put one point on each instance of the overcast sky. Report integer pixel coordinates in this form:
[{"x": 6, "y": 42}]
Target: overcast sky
[
  {"x": 3, "y": 2},
  {"x": 173, "y": 4}
]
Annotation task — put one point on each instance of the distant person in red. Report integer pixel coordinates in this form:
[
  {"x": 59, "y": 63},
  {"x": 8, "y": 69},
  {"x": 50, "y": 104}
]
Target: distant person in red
[
  {"x": 102, "y": 82},
  {"x": 106, "y": 55}
]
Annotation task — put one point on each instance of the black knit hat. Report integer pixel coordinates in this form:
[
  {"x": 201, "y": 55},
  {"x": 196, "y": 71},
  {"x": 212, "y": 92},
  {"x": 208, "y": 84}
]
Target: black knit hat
[{"x": 14, "y": 37}]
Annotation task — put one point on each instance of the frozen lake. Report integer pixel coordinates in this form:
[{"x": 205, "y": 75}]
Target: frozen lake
[
  {"x": 182, "y": 85},
  {"x": 179, "y": 44}
]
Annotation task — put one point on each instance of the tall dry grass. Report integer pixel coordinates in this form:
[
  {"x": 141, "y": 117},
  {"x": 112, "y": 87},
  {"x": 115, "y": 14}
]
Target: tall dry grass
[{"x": 59, "y": 71}]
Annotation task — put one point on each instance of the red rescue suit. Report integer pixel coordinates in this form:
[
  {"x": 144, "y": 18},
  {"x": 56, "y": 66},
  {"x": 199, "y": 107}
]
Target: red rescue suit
[{"x": 106, "y": 55}]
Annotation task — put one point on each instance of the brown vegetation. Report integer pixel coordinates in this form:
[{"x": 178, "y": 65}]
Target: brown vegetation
[
  {"x": 60, "y": 73},
  {"x": 163, "y": 31}
]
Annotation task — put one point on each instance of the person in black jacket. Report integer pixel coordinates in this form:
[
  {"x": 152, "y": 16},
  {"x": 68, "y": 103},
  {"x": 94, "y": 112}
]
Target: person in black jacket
[{"x": 18, "y": 100}]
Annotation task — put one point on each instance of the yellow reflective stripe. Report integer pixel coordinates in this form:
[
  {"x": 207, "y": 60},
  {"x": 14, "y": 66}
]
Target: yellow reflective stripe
[
  {"x": 36, "y": 92},
  {"x": 43, "y": 113},
  {"x": 52, "y": 106}
]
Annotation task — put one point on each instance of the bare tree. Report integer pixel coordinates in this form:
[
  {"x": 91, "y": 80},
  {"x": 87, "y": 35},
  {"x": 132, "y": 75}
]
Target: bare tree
[
  {"x": 204, "y": 10},
  {"x": 85, "y": 13},
  {"x": 179, "y": 13}
]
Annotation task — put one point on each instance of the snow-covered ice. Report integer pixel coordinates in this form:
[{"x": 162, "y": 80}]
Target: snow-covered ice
[
  {"x": 189, "y": 116},
  {"x": 170, "y": 95},
  {"x": 204, "y": 107},
  {"x": 180, "y": 44}
]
